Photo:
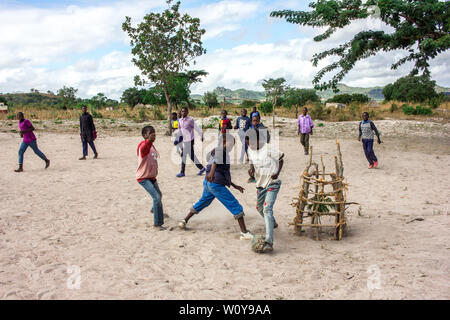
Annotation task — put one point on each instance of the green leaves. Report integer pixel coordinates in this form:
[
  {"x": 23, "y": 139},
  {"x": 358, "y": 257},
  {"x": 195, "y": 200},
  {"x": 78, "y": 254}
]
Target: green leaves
[{"x": 421, "y": 26}]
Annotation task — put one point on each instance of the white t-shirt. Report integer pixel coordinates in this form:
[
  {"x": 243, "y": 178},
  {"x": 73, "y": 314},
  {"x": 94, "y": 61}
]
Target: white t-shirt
[{"x": 265, "y": 161}]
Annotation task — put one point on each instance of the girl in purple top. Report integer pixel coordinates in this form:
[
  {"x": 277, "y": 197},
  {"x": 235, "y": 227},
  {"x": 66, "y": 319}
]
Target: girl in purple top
[
  {"x": 29, "y": 140},
  {"x": 305, "y": 126}
]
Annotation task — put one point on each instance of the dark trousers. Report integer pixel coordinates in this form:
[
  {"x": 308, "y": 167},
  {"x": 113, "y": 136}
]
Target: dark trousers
[
  {"x": 188, "y": 148},
  {"x": 85, "y": 147},
  {"x": 368, "y": 150},
  {"x": 304, "y": 140}
]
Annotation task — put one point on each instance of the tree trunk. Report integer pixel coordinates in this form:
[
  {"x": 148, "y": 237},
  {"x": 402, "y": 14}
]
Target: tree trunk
[
  {"x": 169, "y": 110},
  {"x": 296, "y": 111},
  {"x": 273, "y": 111}
]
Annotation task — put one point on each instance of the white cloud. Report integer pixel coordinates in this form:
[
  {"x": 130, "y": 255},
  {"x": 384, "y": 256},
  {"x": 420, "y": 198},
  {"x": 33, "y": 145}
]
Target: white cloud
[{"x": 224, "y": 16}]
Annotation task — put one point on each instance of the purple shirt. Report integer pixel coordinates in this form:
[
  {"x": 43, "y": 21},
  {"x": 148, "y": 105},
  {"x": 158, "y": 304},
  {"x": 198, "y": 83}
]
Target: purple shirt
[
  {"x": 305, "y": 124},
  {"x": 28, "y": 136},
  {"x": 187, "y": 126}
]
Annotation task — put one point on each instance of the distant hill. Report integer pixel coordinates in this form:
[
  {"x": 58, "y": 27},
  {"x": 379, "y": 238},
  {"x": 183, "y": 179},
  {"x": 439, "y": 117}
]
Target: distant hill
[{"x": 375, "y": 93}]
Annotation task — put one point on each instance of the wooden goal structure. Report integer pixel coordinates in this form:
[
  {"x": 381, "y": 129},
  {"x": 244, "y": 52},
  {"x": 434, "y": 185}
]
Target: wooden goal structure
[{"x": 321, "y": 194}]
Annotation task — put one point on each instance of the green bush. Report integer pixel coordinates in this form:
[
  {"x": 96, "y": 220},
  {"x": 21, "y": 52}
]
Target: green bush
[
  {"x": 11, "y": 117},
  {"x": 419, "y": 110},
  {"x": 320, "y": 124},
  {"x": 248, "y": 104},
  {"x": 266, "y": 107},
  {"x": 96, "y": 114}
]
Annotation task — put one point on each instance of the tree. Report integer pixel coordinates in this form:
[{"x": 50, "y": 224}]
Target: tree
[
  {"x": 163, "y": 45},
  {"x": 210, "y": 99},
  {"x": 131, "y": 97},
  {"x": 411, "y": 89},
  {"x": 420, "y": 26},
  {"x": 299, "y": 97},
  {"x": 346, "y": 98},
  {"x": 67, "y": 95},
  {"x": 274, "y": 88},
  {"x": 99, "y": 100},
  {"x": 3, "y": 100}
]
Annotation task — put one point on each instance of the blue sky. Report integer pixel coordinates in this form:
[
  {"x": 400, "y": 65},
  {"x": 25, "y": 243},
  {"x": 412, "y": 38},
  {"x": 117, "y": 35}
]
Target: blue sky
[{"x": 48, "y": 44}]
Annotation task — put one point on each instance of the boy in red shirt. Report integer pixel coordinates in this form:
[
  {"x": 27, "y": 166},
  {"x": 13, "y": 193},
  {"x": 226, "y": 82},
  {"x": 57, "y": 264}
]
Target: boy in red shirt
[{"x": 147, "y": 171}]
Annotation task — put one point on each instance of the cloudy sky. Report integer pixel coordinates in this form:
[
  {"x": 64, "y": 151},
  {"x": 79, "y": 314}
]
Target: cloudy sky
[{"x": 48, "y": 44}]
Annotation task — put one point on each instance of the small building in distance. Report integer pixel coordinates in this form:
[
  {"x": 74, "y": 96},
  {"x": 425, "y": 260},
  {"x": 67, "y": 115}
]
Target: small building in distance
[
  {"x": 3, "y": 108},
  {"x": 335, "y": 105}
]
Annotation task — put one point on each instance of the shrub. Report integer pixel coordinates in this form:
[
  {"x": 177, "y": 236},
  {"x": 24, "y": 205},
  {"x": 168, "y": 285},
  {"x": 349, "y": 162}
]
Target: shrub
[
  {"x": 320, "y": 124},
  {"x": 142, "y": 115},
  {"x": 11, "y": 116},
  {"x": 248, "y": 104},
  {"x": 96, "y": 114},
  {"x": 266, "y": 107},
  {"x": 421, "y": 110},
  {"x": 317, "y": 111},
  {"x": 157, "y": 114}
]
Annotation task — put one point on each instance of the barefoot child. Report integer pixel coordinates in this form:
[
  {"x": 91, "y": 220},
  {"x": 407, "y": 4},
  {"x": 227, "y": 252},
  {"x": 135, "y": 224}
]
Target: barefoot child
[
  {"x": 366, "y": 130},
  {"x": 147, "y": 171},
  {"x": 29, "y": 140},
  {"x": 266, "y": 162},
  {"x": 215, "y": 185}
]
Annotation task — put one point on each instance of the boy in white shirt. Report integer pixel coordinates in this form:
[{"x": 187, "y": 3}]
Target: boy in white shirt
[{"x": 266, "y": 162}]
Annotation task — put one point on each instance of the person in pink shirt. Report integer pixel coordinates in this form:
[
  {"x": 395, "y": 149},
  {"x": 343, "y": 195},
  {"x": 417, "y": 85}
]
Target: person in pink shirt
[
  {"x": 147, "y": 171},
  {"x": 186, "y": 129},
  {"x": 305, "y": 128},
  {"x": 29, "y": 140}
]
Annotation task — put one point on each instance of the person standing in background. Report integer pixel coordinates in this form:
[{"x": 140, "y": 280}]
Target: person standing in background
[
  {"x": 305, "y": 128},
  {"x": 186, "y": 126},
  {"x": 87, "y": 133}
]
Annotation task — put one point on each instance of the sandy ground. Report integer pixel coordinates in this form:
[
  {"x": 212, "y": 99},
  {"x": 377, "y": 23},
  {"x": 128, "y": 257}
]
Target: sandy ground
[{"x": 83, "y": 230}]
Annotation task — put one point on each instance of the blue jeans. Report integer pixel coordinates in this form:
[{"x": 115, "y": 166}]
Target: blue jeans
[
  {"x": 213, "y": 190},
  {"x": 153, "y": 189},
  {"x": 264, "y": 204},
  {"x": 33, "y": 145},
  {"x": 368, "y": 150},
  {"x": 85, "y": 147}
]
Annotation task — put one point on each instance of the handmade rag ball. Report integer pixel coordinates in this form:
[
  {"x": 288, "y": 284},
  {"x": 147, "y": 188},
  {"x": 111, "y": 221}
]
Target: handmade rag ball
[{"x": 258, "y": 243}]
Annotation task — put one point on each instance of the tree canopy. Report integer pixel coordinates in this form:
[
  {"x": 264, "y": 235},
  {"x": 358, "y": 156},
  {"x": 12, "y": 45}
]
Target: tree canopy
[
  {"x": 67, "y": 95},
  {"x": 411, "y": 89},
  {"x": 420, "y": 26},
  {"x": 163, "y": 45}
]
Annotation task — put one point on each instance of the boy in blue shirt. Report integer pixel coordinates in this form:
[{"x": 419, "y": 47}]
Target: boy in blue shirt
[{"x": 217, "y": 179}]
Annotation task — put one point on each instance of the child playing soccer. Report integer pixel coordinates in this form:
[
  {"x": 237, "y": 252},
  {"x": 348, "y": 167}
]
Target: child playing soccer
[
  {"x": 366, "y": 130},
  {"x": 147, "y": 171},
  {"x": 266, "y": 162},
  {"x": 215, "y": 185},
  {"x": 29, "y": 140}
]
